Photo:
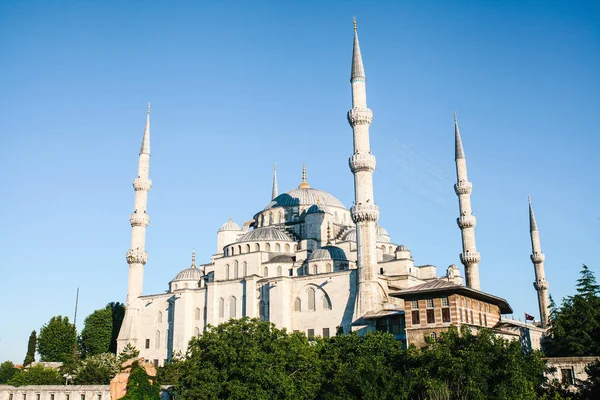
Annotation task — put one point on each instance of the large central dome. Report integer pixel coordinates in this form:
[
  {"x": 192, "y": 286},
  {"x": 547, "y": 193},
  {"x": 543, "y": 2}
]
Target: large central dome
[{"x": 304, "y": 197}]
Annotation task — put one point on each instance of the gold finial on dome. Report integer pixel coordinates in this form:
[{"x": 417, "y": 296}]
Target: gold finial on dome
[
  {"x": 304, "y": 184},
  {"x": 193, "y": 258}
]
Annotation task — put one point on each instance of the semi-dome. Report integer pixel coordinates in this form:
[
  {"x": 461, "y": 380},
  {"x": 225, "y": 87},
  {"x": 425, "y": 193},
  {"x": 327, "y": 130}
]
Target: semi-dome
[
  {"x": 189, "y": 274},
  {"x": 315, "y": 208},
  {"x": 328, "y": 252},
  {"x": 265, "y": 233},
  {"x": 350, "y": 236},
  {"x": 304, "y": 197},
  {"x": 230, "y": 226}
]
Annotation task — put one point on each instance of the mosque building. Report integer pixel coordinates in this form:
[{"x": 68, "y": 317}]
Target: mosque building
[{"x": 307, "y": 263}]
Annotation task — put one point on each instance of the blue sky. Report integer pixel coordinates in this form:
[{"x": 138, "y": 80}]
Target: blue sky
[{"x": 237, "y": 86}]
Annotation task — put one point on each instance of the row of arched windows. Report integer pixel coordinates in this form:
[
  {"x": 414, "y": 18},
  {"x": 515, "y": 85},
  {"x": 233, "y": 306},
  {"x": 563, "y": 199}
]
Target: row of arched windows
[
  {"x": 385, "y": 250},
  {"x": 236, "y": 270},
  {"x": 311, "y": 294},
  {"x": 277, "y": 248},
  {"x": 232, "y": 307}
]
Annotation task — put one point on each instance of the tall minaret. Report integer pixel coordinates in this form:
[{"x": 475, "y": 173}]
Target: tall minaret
[
  {"x": 275, "y": 191},
  {"x": 137, "y": 255},
  {"x": 537, "y": 257},
  {"x": 364, "y": 212},
  {"x": 466, "y": 221}
]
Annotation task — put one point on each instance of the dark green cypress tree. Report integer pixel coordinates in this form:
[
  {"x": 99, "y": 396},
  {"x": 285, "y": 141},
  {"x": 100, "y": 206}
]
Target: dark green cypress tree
[{"x": 30, "y": 357}]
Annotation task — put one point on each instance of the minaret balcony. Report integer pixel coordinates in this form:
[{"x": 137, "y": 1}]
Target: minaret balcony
[
  {"x": 364, "y": 213},
  {"x": 137, "y": 219},
  {"x": 137, "y": 256},
  {"x": 466, "y": 221},
  {"x": 537, "y": 258},
  {"x": 463, "y": 188},
  {"x": 541, "y": 284},
  {"x": 360, "y": 116},
  {"x": 362, "y": 162},
  {"x": 142, "y": 184},
  {"x": 469, "y": 258}
]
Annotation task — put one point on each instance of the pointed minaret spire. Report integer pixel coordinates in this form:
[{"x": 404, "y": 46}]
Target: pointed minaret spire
[
  {"x": 137, "y": 255},
  {"x": 466, "y": 221},
  {"x": 303, "y": 184},
  {"x": 537, "y": 258},
  {"x": 275, "y": 191},
  {"x": 358, "y": 70},
  {"x": 146, "y": 140},
  {"x": 371, "y": 294},
  {"x": 459, "y": 152}
]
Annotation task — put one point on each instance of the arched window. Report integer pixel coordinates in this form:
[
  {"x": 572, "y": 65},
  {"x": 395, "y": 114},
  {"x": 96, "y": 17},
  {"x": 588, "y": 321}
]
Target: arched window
[
  {"x": 185, "y": 285},
  {"x": 391, "y": 250},
  {"x": 279, "y": 270},
  {"x": 311, "y": 299},
  {"x": 175, "y": 286},
  {"x": 159, "y": 317},
  {"x": 221, "y": 308},
  {"x": 245, "y": 268},
  {"x": 257, "y": 247},
  {"x": 236, "y": 270},
  {"x": 266, "y": 272},
  {"x": 227, "y": 271},
  {"x": 298, "y": 305},
  {"x": 262, "y": 220},
  {"x": 247, "y": 248},
  {"x": 315, "y": 269},
  {"x": 226, "y": 251},
  {"x": 326, "y": 302},
  {"x": 433, "y": 336},
  {"x": 232, "y": 307},
  {"x": 240, "y": 249},
  {"x": 268, "y": 247},
  {"x": 383, "y": 249},
  {"x": 270, "y": 219},
  {"x": 232, "y": 251},
  {"x": 287, "y": 248},
  {"x": 295, "y": 247},
  {"x": 197, "y": 314},
  {"x": 157, "y": 340},
  {"x": 277, "y": 248},
  {"x": 328, "y": 268},
  {"x": 197, "y": 331}
]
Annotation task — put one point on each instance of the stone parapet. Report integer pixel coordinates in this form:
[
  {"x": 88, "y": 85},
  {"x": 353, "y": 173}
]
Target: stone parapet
[
  {"x": 463, "y": 188},
  {"x": 362, "y": 162},
  {"x": 466, "y": 221},
  {"x": 364, "y": 212},
  {"x": 142, "y": 184},
  {"x": 541, "y": 284},
  {"x": 537, "y": 258},
  {"x": 470, "y": 258},
  {"x": 139, "y": 219},
  {"x": 137, "y": 256},
  {"x": 360, "y": 116}
]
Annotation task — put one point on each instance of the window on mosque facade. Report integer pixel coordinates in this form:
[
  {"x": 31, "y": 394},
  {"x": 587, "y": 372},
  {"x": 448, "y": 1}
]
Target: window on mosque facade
[
  {"x": 566, "y": 376},
  {"x": 326, "y": 303},
  {"x": 311, "y": 299},
  {"x": 197, "y": 314},
  {"x": 159, "y": 318},
  {"x": 311, "y": 334},
  {"x": 227, "y": 271},
  {"x": 266, "y": 272},
  {"x": 325, "y": 332},
  {"x": 446, "y": 314},
  {"x": 279, "y": 270},
  {"x": 430, "y": 316},
  {"x": 415, "y": 317},
  {"x": 157, "y": 340},
  {"x": 236, "y": 270},
  {"x": 245, "y": 268},
  {"x": 221, "y": 308},
  {"x": 147, "y": 343},
  {"x": 298, "y": 305},
  {"x": 232, "y": 307}
]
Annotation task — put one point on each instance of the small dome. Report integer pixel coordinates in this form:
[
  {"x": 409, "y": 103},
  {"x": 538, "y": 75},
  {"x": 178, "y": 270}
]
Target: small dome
[
  {"x": 350, "y": 236},
  {"x": 230, "y": 226},
  {"x": 265, "y": 233},
  {"x": 304, "y": 197},
  {"x": 401, "y": 248},
  {"x": 189, "y": 274},
  {"x": 382, "y": 231},
  {"x": 328, "y": 253},
  {"x": 314, "y": 209}
]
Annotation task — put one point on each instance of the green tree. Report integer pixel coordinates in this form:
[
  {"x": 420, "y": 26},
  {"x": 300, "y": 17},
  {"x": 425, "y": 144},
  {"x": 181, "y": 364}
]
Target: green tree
[
  {"x": 98, "y": 369},
  {"x": 170, "y": 373},
  {"x": 575, "y": 325},
  {"x": 590, "y": 389},
  {"x": 7, "y": 371},
  {"x": 36, "y": 375},
  {"x": 118, "y": 313},
  {"x": 30, "y": 356},
  {"x": 57, "y": 340},
  {"x": 128, "y": 353},
  {"x": 248, "y": 359},
  {"x": 140, "y": 385},
  {"x": 97, "y": 332}
]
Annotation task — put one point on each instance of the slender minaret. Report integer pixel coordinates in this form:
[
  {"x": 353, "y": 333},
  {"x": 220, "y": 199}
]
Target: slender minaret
[
  {"x": 537, "y": 258},
  {"x": 364, "y": 212},
  {"x": 137, "y": 255},
  {"x": 466, "y": 221},
  {"x": 275, "y": 191}
]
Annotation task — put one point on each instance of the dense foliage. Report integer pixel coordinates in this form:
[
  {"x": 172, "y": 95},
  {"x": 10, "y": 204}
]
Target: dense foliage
[
  {"x": 36, "y": 375},
  {"x": 7, "y": 371},
  {"x": 118, "y": 313},
  {"x": 57, "y": 340},
  {"x": 98, "y": 369},
  {"x": 575, "y": 325},
  {"x": 140, "y": 386},
  {"x": 30, "y": 356},
  {"x": 96, "y": 333},
  {"x": 128, "y": 353},
  {"x": 250, "y": 359}
]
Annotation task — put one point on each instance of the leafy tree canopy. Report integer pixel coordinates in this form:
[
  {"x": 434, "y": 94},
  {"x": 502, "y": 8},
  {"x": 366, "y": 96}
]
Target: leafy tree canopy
[
  {"x": 30, "y": 356},
  {"x": 128, "y": 353},
  {"x": 97, "y": 332},
  {"x": 36, "y": 375},
  {"x": 57, "y": 340},
  {"x": 140, "y": 385},
  {"x": 7, "y": 371},
  {"x": 98, "y": 369}
]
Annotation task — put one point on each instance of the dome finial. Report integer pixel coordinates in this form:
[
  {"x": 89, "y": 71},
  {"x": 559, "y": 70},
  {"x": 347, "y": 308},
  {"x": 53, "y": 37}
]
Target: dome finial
[
  {"x": 304, "y": 184},
  {"x": 328, "y": 234},
  {"x": 193, "y": 258},
  {"x": 354, "y": 23}
]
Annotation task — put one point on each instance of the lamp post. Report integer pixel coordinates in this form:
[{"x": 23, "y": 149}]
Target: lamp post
[{"x": 67, "y": 377}]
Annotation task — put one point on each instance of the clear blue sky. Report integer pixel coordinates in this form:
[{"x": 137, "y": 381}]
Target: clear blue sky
[{"x": 236, "y": 86}]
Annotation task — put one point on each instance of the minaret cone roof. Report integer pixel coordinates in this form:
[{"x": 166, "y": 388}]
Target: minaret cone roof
[
  {"x": 460, "y": 153},
  {"x": 146, "y": 140},
  {"x": 358, "y": 70},
  {"x": 532, "y": 223}
]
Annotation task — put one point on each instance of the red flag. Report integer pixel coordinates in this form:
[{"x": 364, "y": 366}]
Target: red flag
[{"x": 529, "y": 317}]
